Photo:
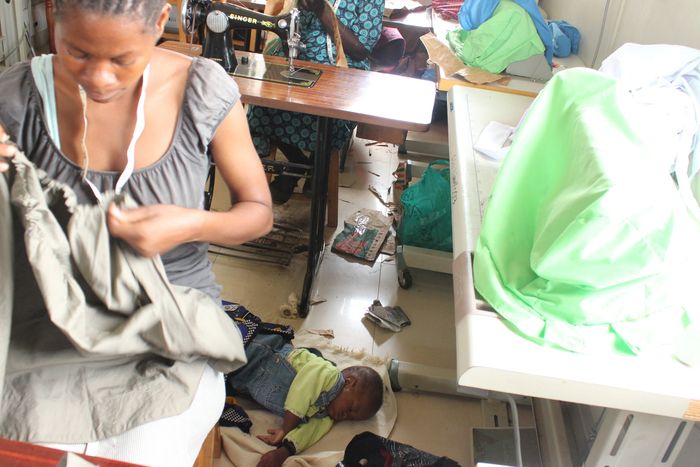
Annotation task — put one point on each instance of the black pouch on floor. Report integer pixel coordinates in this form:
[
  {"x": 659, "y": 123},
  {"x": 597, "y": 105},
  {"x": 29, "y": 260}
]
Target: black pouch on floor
[
  {"x": 370, "y": 450},
  {"x": 235, "y": 416}
]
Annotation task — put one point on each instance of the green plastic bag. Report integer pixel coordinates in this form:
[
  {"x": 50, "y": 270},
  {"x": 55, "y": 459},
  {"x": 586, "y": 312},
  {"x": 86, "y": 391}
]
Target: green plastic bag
[
  {"x": 427, "y": 210},
  {"x": 586, "y": 242}
]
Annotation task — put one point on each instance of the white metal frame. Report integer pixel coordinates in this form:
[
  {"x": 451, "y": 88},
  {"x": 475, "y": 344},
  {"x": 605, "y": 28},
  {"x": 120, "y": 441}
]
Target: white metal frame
[{"x": 489, "y": 354}]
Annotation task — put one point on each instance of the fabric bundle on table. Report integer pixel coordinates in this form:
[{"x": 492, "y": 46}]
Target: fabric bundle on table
[
  {"x": 496, "y": 33},
  {"x": 509, "y": 35}
]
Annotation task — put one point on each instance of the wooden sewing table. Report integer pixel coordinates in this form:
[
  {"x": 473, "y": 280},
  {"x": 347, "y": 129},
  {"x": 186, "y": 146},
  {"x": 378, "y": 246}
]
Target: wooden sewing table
[
  {"x": 21, "y": 454},
  {"x": 341, "y": 93}
]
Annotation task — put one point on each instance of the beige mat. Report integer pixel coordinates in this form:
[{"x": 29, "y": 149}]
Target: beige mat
[{"x": 243, "y": 450}]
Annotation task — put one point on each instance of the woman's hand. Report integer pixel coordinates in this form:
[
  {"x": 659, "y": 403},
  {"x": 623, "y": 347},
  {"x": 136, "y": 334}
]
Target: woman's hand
[
  {"x": 155, "y": 229},
  {"x": 7, "y": 151},
  {"x": 274, "y": 436},
  {"x": 351, "y": 43},
  {"x": 274, "y": 458},
  {"x": 314, "y": 6}
]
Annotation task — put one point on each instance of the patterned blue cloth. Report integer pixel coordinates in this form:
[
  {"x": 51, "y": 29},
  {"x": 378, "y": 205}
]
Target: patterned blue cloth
[
  {"x": 364, "y": 18},
  {"x": 250, "y": 325}
]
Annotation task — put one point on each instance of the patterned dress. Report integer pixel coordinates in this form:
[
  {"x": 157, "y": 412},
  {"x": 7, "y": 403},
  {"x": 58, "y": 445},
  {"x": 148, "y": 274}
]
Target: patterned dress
[{"x": 364, "y": 19}]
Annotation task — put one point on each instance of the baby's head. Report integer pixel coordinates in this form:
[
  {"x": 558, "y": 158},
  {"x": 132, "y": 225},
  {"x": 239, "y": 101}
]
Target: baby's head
[{"x": 361, "y": 396}]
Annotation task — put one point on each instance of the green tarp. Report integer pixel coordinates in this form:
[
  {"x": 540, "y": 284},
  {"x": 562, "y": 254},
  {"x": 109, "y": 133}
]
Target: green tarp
[{"x": 586, "y": 244}]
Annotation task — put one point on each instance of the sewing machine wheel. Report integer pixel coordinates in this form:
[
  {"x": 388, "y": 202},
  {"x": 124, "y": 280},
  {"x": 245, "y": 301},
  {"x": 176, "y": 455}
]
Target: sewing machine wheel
[{"x": 192, "y": 14}]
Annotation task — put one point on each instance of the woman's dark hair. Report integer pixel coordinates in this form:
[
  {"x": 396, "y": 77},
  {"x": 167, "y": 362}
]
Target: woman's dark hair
[{"x": 147, "y": 10}]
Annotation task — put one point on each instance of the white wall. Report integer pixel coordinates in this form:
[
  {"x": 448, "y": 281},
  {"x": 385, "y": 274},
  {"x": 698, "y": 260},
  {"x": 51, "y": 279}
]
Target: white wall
[
  {"x": 653, "y": 22},
  {"x": 16, "y": 17},
  {"x": 607, "y": 24},
  {"x": 40, "y": 38}
]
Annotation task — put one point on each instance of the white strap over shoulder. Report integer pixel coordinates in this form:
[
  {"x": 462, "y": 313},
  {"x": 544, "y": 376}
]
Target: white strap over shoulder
[{"x": 131, "y": 150}]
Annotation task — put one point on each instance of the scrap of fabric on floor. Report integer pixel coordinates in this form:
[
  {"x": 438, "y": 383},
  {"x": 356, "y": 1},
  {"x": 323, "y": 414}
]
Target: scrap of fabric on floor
[{"x": 241, "y": 450}]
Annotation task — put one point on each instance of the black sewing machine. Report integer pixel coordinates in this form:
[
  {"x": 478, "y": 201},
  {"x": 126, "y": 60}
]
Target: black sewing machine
[{"x": 215, "y": 23}]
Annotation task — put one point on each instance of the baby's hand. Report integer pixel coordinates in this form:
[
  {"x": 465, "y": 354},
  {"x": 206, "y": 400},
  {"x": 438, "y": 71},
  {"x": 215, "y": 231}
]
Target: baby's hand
[
  {"x": 274, "y": 436},
  {"x": 7, "y": 151}
]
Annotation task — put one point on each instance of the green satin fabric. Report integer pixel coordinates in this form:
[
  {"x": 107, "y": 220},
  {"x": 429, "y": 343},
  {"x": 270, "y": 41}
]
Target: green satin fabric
[{"x": 586, "y": 243}]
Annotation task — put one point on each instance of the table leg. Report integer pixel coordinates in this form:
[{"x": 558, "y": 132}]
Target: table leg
[{"x": 318, "y": 210}]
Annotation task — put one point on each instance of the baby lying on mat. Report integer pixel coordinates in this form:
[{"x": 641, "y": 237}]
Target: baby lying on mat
[{"x": 309, "y": 392}]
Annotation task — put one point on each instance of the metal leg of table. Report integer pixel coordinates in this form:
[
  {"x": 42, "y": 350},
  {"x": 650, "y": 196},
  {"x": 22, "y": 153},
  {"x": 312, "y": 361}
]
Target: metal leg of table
[{"x": 318, "y": 210}]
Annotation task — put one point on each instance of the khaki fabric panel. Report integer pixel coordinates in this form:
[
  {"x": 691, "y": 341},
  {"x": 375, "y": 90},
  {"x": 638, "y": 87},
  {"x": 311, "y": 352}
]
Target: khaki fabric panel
[
  {"x": 6, "y": 275},
  {"x": 101, "y": 341}
]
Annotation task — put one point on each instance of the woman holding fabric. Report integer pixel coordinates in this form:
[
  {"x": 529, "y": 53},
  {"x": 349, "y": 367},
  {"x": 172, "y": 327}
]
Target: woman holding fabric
[
  {"x": 360, "y": 25},
  {"x": 111, "y": 111}
]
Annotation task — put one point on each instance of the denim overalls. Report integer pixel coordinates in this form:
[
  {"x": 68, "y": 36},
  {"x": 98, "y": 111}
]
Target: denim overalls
[{"x": 268, "y": 375}]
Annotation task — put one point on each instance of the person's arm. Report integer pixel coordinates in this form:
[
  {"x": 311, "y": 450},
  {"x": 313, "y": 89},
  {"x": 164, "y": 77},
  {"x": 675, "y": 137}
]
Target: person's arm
[
  {"x": 275, "y": 458},
  {"x": 351, "y": 44},
  {"x": 307, "y": 434},
  {"x": 155, "y": 229},
  {"x": 275, "y": 436},
  {"x": 296, "y": 441}
]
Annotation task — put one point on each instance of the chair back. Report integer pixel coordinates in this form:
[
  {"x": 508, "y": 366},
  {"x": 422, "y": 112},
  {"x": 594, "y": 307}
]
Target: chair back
[{"x": 388, "y": 50}]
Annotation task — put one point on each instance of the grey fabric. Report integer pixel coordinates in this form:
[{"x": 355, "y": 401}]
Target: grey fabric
[
  {"x": 100, "y": 341},
  {"x": 6, "y": 280},
  {"x": 177, "y": 178}
]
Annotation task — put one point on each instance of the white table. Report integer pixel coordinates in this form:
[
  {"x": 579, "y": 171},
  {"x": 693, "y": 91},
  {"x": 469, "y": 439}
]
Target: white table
[{"x": 489, "y": 355}]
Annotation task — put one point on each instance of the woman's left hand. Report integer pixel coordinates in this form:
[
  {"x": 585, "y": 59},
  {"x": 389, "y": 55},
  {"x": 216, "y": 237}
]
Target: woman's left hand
[{"x": 152, "y": 230}]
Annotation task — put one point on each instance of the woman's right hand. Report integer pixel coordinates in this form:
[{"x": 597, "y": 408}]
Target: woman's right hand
[{"x": 7, "y": 151}]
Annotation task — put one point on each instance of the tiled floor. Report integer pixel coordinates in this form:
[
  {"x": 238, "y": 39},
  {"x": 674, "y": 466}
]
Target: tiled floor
[{"x": 436, "y": 423}]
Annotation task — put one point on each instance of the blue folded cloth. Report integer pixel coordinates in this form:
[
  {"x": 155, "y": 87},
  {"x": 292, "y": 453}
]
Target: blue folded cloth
[
  {"x": 566, "y": 38},
  {"x": 474, "y": 12},
  {"x": 541, "y": 25}
]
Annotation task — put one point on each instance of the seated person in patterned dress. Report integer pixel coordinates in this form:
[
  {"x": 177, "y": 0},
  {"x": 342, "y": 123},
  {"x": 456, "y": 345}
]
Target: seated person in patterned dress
[
  {"x": 360, "y": 24},
  {"x": 309, "y": 392}
]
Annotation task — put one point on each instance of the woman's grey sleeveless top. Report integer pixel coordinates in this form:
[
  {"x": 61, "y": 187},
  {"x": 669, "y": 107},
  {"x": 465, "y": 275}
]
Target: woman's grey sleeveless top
[{"x": 178, "y": 177}]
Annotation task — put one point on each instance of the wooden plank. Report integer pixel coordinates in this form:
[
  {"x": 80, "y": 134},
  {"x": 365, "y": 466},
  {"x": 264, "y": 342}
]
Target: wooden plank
[
  {"x": 344, "y": 93},
  {"x": 20, "y": 454}
]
